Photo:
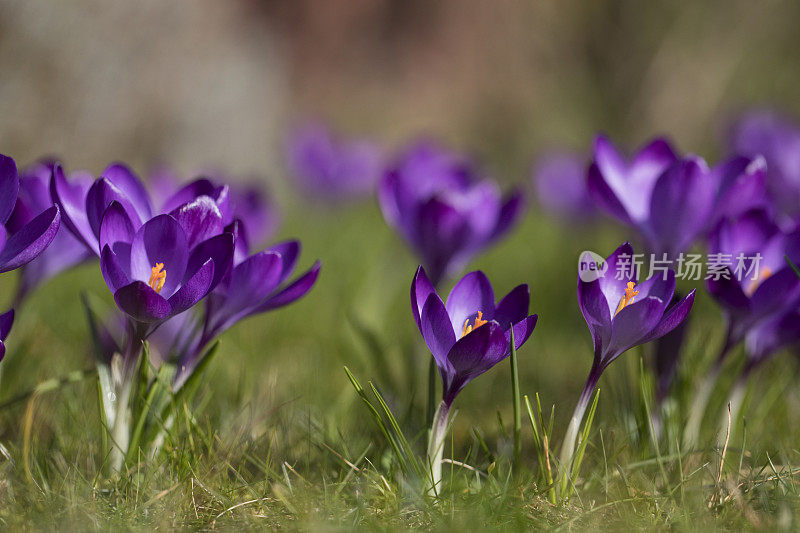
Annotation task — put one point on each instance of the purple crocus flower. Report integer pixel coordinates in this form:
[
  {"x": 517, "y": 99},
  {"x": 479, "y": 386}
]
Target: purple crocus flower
[
  {"x": 168, "y": 264},
  {"x": 621, "y": 314},
  {"x": 467, "y": 336},
  {"x": 22, "y": 241},
  {"x": 331, "y": 168},
  {"x": 437, "y": 202},
  {"x": 777, "y": 138},
  {"x": 65, "y": 251},
  {"x": 6, "y": 321},
  {"x": 560, "y": 182},
  {"x": 755, "y": 281},
  {"x": 671, "y": 201}
]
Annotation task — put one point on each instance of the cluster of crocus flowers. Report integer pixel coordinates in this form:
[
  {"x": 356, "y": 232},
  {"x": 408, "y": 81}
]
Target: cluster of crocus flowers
[
  {"x": 621, "y": 313},
  {"x": 161, "y": 257},
  {"x": 437, "y": 201},
  {"x": 328, "y": 167},
  {"x": 467, "y": 335}
]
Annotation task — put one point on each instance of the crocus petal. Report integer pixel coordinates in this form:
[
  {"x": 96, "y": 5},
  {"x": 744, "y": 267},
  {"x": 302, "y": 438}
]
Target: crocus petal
[
  {"x": 289, "y": 252},
  {"x": 437, "y": 329},
  {"x": 601, "y": 193},
  {"x": 193, "y": 290},
  {"x": 681, "y": 205},
  {"x": 220, "y": 249},
  {"x": 522, "y": 331},
  {"x": 742, "y": 186},
  {"x": 631, "y": 325},
  {"x": 775, "y": 293},
  {"x": 126, "y": 181},
  {"x": 728, "y": 292},
  {"x": 443, "y": 231},
  {"x": 620, "y": 271},
  {"x": 142, "y": 303},
  {"x": 513, "y": 307},
  {"x": 114, "y": 272},
  {"x": 771, "y": 335},
  {"x": 100, "y": 195},
  {"x": 9, "y": 187},
  {"x": 200, "y": 219},
  {"x": 71, "y": 199},
  {"x": 594, "y": 308},
  {"x": 421, "y": 288},
  {"x": 478, "y": 351},
  {"x": 160, "y": 240},
  {"x": 471, "y": 294},
  {"x": 31, "y": 240},
  {"x": 673, "y": 317},
  {"x": 117, "y": 231},
  {"x": 292, "y": 292},
  {"x": 251, "y": 281},
  {"x": 511, "y": 210},
  {"x": 6, "y": 321},
  {"x": 188, "y": 193},
  {"x": 659, "y": 285}
]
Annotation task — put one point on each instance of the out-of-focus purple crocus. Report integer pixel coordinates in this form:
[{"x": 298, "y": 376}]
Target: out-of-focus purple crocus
[
  {"x": 776, "y": 137},
  {"x": 560, "y": 182},
  {"x": 758, "y": 293},
  {"x": 21, "y": 241},
  {"x": 437, "y": 202},
  {"x": 65, "y": 251},
  {"x": 467, "y": 336},
  {"x": 621, "y": 314},
  {"x": 6, "y": 321},
  {"x": 332, "y": 168},
  {"x": 671, "y": 201}
]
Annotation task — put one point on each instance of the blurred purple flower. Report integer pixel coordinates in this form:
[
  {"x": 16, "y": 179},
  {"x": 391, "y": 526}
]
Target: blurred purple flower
[
  {"x": 65, "y": 251},
  {"x": 22, "y": 238},
  {"x": 469, "y": 334},
  {"x": 560, "y": 182},
  {"x": 444, "y": 211},
  {"x": 671, "y": 201},
  {"x": 6, "y": 321},
  {"x": 777, "y": 138},
  {"x": 750, "y": 289},
  {"x": 332, "y": 168}
]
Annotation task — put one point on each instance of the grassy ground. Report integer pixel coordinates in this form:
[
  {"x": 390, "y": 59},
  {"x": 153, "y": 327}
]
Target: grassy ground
[{"x": 278, "y": 438}]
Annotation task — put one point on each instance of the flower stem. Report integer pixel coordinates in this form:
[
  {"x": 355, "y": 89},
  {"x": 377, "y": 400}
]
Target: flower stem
[
  {"x": 568, "y": 446},
  {"x": 516, "y": 403},
  {"x": 436, "y": 446}
]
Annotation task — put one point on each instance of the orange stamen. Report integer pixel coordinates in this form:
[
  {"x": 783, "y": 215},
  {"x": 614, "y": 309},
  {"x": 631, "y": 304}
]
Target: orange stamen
[
  {"x": 478, "y": 323},
  {"x": 628, "y": 298},
  {"x": 158, "y": 276}
]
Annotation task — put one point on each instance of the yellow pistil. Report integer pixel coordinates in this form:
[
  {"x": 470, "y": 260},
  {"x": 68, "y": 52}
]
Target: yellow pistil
[
  {"x": 478, "y": 323},
  {"x": 157, "y": 277},
  {"x": 628, "y": 298},
  {"x": 765, "y": 273}
]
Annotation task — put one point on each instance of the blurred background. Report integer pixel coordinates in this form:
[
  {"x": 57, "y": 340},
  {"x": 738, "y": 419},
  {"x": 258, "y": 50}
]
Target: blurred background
[{"x": 200, "y": 84}]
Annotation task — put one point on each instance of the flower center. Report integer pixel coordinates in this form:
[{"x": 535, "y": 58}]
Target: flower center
[
  {"x": 479, "y": 321},
  {"x": 763, "y": 275},
  {"x": 628, "y": 298},
  {"x": 157, "y": 277}
]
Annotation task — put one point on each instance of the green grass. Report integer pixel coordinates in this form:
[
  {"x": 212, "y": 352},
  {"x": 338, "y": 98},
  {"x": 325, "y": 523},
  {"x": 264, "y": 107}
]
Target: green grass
[{"x": 278, "y": 438}]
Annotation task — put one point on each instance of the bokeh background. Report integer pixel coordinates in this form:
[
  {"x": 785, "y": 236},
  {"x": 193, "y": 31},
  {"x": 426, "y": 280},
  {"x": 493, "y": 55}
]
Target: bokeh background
[{"x": 207, "y": 84}]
